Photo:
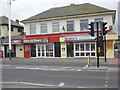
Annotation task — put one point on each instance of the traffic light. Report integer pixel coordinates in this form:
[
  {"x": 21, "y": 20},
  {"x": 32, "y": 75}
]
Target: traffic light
[
  {"x": 91, "y": 28},
  {"x": 103, "y": 31}
]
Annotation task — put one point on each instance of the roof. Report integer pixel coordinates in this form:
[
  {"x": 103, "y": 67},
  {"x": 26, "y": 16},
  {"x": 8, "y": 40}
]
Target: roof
[
  {"x": 71, "y": 10},
  {"x": 4, "y": 21}
]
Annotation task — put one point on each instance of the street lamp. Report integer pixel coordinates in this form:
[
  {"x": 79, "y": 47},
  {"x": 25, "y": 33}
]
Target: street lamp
[{"x": 9, "y": 20}]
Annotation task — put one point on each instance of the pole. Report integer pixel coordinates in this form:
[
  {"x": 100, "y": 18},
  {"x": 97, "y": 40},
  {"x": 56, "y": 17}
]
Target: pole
[
  {"x": 89, "y": 61},
  {"x": 97, "y": 45},
  {"x": 10, "y": 49},
  {"x": 105, "y": 47}
]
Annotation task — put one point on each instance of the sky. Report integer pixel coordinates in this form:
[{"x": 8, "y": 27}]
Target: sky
[{"x": 23, "y": 9}]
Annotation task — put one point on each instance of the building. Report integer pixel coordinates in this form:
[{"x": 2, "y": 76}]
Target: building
[
  {"x": 63, "y": 32},
  {"x": 16, "y": 31}
]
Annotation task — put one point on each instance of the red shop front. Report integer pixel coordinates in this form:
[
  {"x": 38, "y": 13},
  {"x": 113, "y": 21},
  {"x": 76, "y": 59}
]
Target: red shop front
[{"x": 41, "y": 46}]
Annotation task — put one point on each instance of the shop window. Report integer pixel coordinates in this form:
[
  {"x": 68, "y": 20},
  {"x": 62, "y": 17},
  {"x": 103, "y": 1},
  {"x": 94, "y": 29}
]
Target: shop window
[
  {"x": 84, "y": 25},
  {"x": 70, "y": 26},
  {"x": 87, "y": 54},
  {"x": 93, "y": 54},
  {"x": 55, "y": 27},
  {"x": 92, "y": 47},
  {"x": 32, "y": 29},
  {"x": 77, "y": 47},
  {"x": 87, "y": 47},
  {"x": 82, "y": 54},
  {"x": 43, "y": 28},
  {"x": 77, "y": 54},
  {"x": 84, "y": 49}
]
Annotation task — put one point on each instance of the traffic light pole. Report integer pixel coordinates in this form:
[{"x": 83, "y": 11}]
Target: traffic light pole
[
  {"x": 97, "y": 45},
  {"x": 105, "y": 47}
]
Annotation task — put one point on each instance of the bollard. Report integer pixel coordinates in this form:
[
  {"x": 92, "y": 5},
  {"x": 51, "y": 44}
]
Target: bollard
[{"x": 88, "y": 61}]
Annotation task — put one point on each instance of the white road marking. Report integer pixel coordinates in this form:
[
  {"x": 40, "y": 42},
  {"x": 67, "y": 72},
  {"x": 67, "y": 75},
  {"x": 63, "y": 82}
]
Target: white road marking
[
  {"x": 6, "y": 65},
  {"x": 29, "y": 83},
  {"x": 81, "y": 87},
  {"x": 106, "y": 78},
  {"x": 61, "y": 84},
  {"x": 79, "y": 70},
  {"x": 106, "y": 85},
  {"x": 85, "y": 66},
  {"x": 21, "y": 67},
  {"x": 8, "y": 82},
  {"x": 106, "y": 81}
]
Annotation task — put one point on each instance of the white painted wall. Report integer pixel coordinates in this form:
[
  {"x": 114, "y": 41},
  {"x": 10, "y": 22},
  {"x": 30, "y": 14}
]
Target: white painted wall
[{"x": 63, "y": 22}]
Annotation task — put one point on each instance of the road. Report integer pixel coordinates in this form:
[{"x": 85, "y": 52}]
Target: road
[{"x": 56, "y": 73}]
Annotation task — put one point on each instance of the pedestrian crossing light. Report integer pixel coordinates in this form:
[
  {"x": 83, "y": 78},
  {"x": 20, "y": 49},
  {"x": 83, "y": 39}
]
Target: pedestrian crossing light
[
  {"x": 91, "y": 29},
  {"x": 104, "y": 28}
]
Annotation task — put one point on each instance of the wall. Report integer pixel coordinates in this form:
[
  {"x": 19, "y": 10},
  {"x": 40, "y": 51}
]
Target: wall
[
  {"x": 5, "y": 31},
  {"x": 19, "y": 53},
  {"x": 62, "y": 22},
  {"x": 110, "y": 37},
  {"x": 15, "y": 32}
]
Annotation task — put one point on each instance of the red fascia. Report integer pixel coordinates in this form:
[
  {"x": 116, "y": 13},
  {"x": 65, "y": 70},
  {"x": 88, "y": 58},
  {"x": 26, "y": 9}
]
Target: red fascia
[{"x": 55, "y": 37}]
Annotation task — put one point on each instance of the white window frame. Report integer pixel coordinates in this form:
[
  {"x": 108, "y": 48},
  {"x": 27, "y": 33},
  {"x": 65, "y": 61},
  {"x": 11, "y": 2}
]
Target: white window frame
[
  {"x": 32, "y": 27},
  {"x": 43, "y": 25},
  {"x": 71, "y": 22},
  {"x": 54, "y": 25},
  {"x": 84, "y": 21},
  {"x": 44, "y": 45},
  {"x": 84, "y": 49}
]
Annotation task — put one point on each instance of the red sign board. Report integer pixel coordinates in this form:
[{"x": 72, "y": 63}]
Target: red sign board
[{"x": 37, "y": 40}]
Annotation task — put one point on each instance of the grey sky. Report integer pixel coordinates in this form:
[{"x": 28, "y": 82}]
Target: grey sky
[{"x": 22, "y": 9}]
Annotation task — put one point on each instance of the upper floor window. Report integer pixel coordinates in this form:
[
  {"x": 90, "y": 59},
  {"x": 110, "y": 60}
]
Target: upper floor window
[
  {"x": 70, "y": 26},
  {"x": 99, "y": 24},
  {"x": 32, "y": 29},
  {"x": 84, "y": 24},
  {"x": 43, "y": 28},
  {"x": 55, "y": 27}
]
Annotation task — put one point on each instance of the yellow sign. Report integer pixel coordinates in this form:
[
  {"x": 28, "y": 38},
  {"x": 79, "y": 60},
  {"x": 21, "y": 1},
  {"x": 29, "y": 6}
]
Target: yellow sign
[{"x": 98, "y": 49}]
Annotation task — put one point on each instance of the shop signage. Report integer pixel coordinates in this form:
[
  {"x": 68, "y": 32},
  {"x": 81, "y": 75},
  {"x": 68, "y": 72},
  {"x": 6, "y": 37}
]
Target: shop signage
[
  {"x": 13, "y": 42},
  {"x": 37, "y": 40},
  {"x": 79, "y": 38},
  {"x": 16, "y": 41}
]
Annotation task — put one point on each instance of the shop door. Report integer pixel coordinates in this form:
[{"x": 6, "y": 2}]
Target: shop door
[
  {"x": 27, "y": 51},
  {"x": 70, "y": 50},
  {"x": 41, "y": 50}
]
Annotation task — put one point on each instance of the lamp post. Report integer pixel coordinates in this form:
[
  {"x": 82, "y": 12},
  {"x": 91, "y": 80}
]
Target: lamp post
[{"x": 9, "y": 21}]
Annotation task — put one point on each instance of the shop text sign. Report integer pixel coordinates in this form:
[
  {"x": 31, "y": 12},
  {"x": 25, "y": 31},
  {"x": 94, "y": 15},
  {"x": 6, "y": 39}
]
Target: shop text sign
[
  {"x": 79, "y": 38},
  {"x": 16, "y": 41},
  {"x": 38, "y": 40}
]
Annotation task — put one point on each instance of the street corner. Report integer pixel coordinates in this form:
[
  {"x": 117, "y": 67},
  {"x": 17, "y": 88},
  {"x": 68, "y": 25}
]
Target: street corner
[{"x": 91, "y": 67}]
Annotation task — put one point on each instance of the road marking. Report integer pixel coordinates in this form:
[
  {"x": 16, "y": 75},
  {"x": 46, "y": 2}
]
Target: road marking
[
  {"x": 29, "y": 83},
  {"x": 106, "y": 81},
  {"x": 8, "y": 82},
  {"x": 61, "y": 84},
  {"x": 33, "y": 68},
  {"x": 79, "y": 70},
  {"x": 106, "y": 85},
  {"x": 106, "y": 78},
  {"x": 85, "y": 66},
  {"x": 6, "y": 65},
  {"x": 81, "y": 87}
]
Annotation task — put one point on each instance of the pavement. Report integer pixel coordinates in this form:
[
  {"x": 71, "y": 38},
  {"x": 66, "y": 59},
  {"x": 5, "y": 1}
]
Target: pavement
[{"x": 111, "y": 64}]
